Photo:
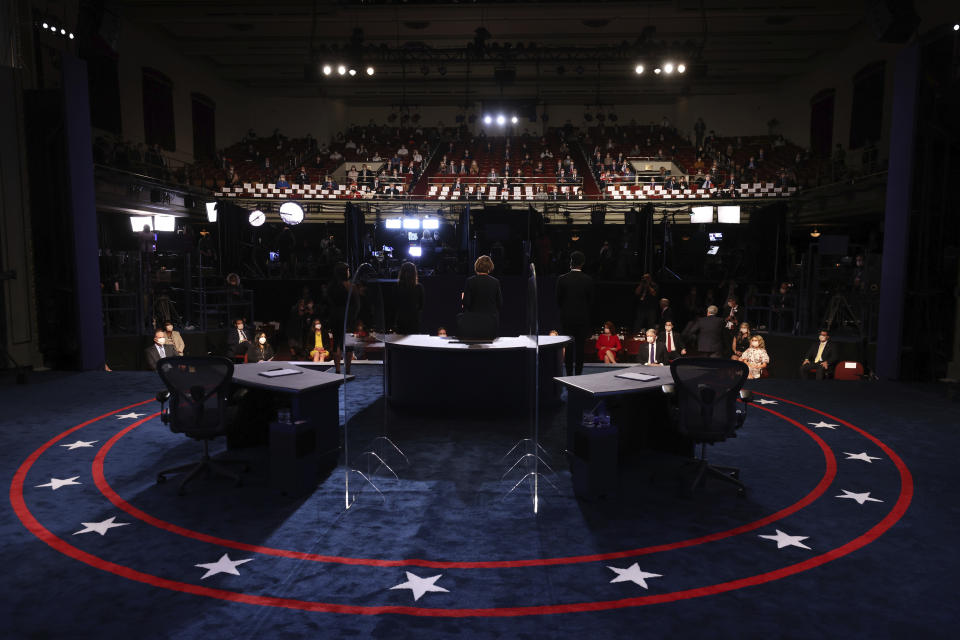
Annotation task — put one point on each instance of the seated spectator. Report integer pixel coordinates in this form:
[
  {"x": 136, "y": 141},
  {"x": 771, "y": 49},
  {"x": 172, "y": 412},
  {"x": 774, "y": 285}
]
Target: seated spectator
[
  {"x": 302, "y": 176},
  {"x": 260, "y": 350},
  {"x": 336, "y": 156},
  {"x": 353, "y": 174},
  {"x": 318, "y": 352},
  {"x": 158, "y": 350},
  {"x": 492, "y": 177},
  {"x": 672, "y": 342},
  {"x": 174, "y": 338},
  {"x": 707, "y": 183},
  {"x": 282, "y": 182},
  {"x": 820, "y": 357},
  {"x": 442, "y": 331},
  {"x": 350, "y": 145},
  {"x": 652, "y": 352},
  {"x": 741, "y": 341},
  {"x": 329, "y": 183},
  {"x": 462, "y": 169},
  {"x": 755, "y": 356},
  {"x": 608, "y": 343},
  {"x": 238, "y": 340},
  {"x": 416, "y": 156},
  {"x": 474, "y": 168}
]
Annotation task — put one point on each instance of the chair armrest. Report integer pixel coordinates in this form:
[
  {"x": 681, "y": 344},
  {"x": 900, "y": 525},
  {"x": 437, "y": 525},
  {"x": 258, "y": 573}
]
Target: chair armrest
[
  {"x": 163, "y": 396},
  {"x": 746, "y": 395}
]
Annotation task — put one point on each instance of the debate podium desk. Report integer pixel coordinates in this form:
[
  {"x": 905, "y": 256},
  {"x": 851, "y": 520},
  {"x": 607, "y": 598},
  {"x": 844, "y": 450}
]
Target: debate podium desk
[{"x": 428, "y": 372}]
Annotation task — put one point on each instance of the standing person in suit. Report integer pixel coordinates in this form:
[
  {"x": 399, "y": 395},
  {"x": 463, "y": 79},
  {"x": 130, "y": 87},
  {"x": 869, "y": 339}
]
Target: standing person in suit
[
  {"x": 672, "y": 343},
  {"x": 238, "y": 340},
  {"x": 666, "y": 313},
  {"x": 575, "y": 301},
  {"x": 709, "y": 333},
  {"x": 410, "y": 299},
  {"x": 158, "y": 350},
  {"x": 653, "y": 352},
  {"x": 820, "y": 358},
  {"x": 260, "y": 350},
  {"x": 482, "y": 300}
]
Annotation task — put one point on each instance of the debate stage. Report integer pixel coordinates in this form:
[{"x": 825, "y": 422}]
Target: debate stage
[{"x": 844, "y": 479}]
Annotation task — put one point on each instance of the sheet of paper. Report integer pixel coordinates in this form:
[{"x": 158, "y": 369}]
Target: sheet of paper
[
  {"x": 273, "y": 373},
  {"x": 640, "y": 377}
]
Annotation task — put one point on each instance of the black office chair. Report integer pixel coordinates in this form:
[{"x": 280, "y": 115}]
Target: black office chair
[
  {"x": 197, "y": 389},
  {"x": 704, "y": 408}
]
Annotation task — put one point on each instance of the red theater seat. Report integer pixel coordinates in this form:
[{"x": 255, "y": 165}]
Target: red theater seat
[{"x": 848, "y": 370}]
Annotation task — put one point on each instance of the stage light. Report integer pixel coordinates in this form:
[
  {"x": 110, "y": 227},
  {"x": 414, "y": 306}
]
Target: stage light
[
  {"x": 211, "y": 212},
  {"x": 639, "y": 69},
  {"x": 657, "y": 71},
  {"x": 701, "y": 215},
  {"x": 257, "y": 218},
  {"x": 291, "y": 213},
  {"x": 668, "y": 67},
  {"x": 46, "y": 26},
  {"x": 815, "y": 233},
  {"x": 353, "y": 72},
  {"x": 63, "y": 32},
  {"x": 487, "y": 120},
  {"x": 137, "y": 222},
  {"x": 415, "y": 251},
  {"x": 341, "y": 69},
  {"x": 501, "y": 120},
  {"x": 431, "y": 223},
  {"x": 393, "y": 223},
  {"x": 327, "y": 69},
  {"x": 514, "y": 120},
  {"x": 164, "y": 223},
  {"x": 956, "y": 27},
  {"x": 681, "y": 68},
  {"x": 411, "y": 223},
  {"x": 728, "y": 214},
  {"x": 370, "y": 71},
  {"x": 71, "y": 36},
  {"x": 53, "y": 28}
]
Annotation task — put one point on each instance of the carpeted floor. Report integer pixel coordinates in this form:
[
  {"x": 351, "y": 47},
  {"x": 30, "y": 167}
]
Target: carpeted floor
[{"x": 650, "y": 561}]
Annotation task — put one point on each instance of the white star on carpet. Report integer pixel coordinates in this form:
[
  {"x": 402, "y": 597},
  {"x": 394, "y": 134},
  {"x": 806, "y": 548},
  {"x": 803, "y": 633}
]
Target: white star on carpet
[
  {"x": 223, "y": 565},
  {"x": 823, "y": 425},
  {"x": 101, "y": 527},
  {"x": 633, "y": 574},
  {"x": 765, "y": 401},
  {"x": 861, "y": 456},
  {"x": 859, "y": 497},
  {"x": 786, "y": 540},
  {"x": 129, "y": 416},
  {"x": 56, "y": 483},
  {"x": 420, "y": 586},
  {"x": 79, "y": 444}
]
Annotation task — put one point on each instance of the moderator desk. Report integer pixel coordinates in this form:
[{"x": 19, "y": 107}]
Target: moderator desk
[{"x": 429, "y": 372}]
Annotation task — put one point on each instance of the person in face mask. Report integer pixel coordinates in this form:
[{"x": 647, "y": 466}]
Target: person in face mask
[
  {"x": 158, "y": 349},
  {"x": 174, "y": 338},
  {"x": 741, "y": 341},
  {"x": 238, "y": 340},
  {"x": 652, "y": 352},
  {"x": 319, "y": 352},
  {"x": 260, "y": 350},
  {"x": 820, "y": 357},
  {"x": 755, "y": 356}
]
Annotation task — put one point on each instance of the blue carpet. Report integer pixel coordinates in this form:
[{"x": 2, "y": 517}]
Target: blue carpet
[{"x": 314, "y": 568}]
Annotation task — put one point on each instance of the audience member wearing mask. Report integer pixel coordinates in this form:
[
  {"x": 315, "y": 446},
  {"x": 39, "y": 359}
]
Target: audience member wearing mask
[
  {"x": 653, "y": 352},
  {"x": 755, "y": 356},
  {"x": 238, "y": 340},
  {"x": 174, "y": 338},
  {"x": 318, "y": 353},
  {"x": 260, "y": 350},
  {"x": 158, "y": 350}
]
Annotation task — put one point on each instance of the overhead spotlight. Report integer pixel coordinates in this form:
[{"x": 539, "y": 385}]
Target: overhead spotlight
[
  {"x": 291, "y": 213},
  {"x": 257, "y": 218},
  {"x": 327, "y": 69},
  {"x": 342, "y": 70},
  {"x": 501, "y": 120},
  {"x": 431, "y": 223},
  {"x": 487, "y": 119},
  {"x": 415, "y": 251},
  {"x": 815, "y": 233},
  {"x": 63, "y": 32},
  {"x": 681, "y": 68},
  {"x": 956, "y": 27},
  {"x": 353, "y": 72},
  {"x": 668, "y": 67},
  {"x": 53, "y": 28},
  {"x": 514, "y": 120},
  {"x": 46, "y": 26},
  {"x": 657, "y": 71},
  {"x": 639, "y": 69},
  {"x": 211, "y": 212},
  {"x": 71, "y": 36},
  {"x": 370, "y": 71},
  {"x": 411, "y": 224}
]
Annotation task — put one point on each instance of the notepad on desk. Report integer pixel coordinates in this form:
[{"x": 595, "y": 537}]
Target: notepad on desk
[
  {"x": 639, "y": 377},
  {"x": 275, "y": 373}
]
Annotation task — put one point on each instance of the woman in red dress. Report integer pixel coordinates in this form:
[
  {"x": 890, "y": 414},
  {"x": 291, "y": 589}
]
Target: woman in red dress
[{"x": 608, "y": 343}]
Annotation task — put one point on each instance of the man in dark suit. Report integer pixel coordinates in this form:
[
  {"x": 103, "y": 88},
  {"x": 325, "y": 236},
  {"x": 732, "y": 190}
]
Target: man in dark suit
[
  {"x": 672, "y": 342},
  {"x": 652, "y": 352},
  {"x": 158, "y": 349},
  {"x": 237, "y": 340},
  {"x": 709, "y": 334},
  {"x": 821, "y": 357},
  {"x": 575, "y": 301}
]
